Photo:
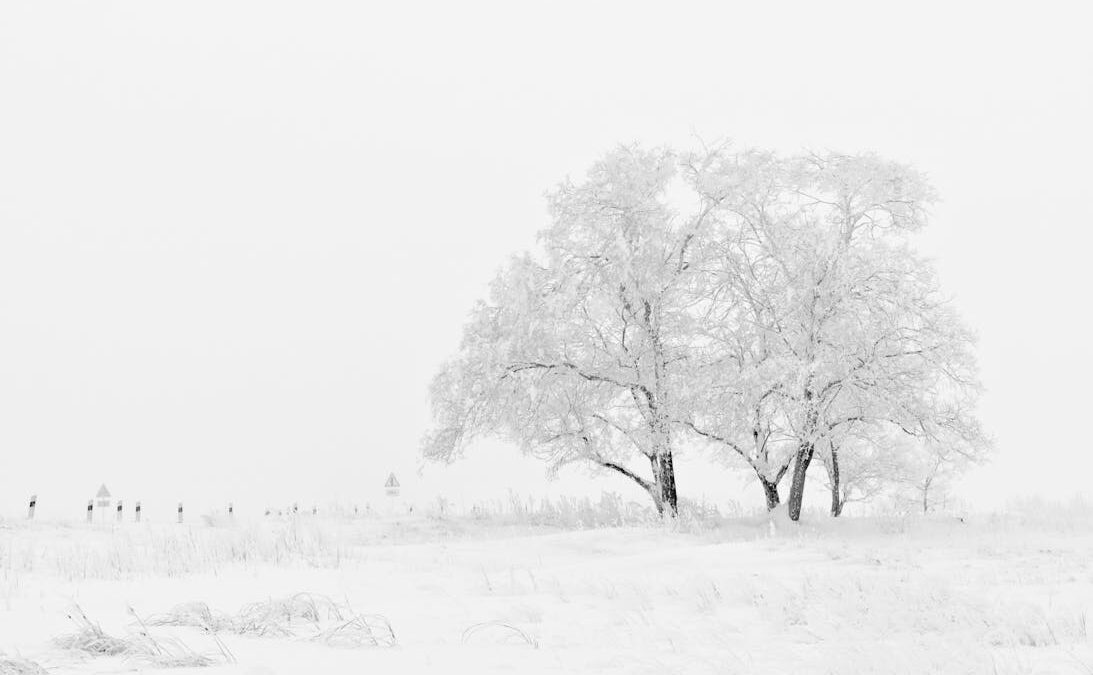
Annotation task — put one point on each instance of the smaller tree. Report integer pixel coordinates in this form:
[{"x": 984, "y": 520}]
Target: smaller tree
[
  {"x": 927, "y": 473},
  {"x": 861, "y": 465},
  {"x": 820, "y": 317}
]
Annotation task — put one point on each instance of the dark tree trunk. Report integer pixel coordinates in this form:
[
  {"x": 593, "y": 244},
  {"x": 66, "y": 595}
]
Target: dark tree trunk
[
  {"x": 797, "y": 487},
  {"x": 770, "y": 491},
  {"x": 836, "y": 495},
  {"x": 665, "y": 484}
]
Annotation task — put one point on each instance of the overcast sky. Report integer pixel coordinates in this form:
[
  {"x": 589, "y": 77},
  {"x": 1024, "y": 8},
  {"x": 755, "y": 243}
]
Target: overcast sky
[{"x": 237, "y": 238}]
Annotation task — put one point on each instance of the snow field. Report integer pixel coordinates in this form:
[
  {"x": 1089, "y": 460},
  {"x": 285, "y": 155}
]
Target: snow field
[{"x": 859, "y": 596}]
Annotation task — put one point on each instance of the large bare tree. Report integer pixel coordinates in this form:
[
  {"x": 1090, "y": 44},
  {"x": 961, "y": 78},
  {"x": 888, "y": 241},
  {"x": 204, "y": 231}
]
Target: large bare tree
[{"x": 581, "y": 351}]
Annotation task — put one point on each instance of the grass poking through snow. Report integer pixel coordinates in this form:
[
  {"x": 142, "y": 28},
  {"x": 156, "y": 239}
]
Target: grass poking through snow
[
  {"x": 303, "y": 615},
  {"x": 17, "y": 666},
  {"x": 501, "y": 631},
  {"x": 141, "y": 647}
]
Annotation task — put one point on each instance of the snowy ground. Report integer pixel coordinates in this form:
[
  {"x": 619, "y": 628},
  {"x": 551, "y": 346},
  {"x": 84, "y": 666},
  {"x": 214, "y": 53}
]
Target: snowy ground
[{"x": 993, "y": 595}]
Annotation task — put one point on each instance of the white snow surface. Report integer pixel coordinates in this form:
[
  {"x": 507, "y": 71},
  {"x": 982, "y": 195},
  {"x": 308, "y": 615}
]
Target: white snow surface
[{"x": 866, "y": 595}]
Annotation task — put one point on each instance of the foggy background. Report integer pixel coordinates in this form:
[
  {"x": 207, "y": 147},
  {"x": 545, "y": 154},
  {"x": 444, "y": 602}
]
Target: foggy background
[{"x": 238, "y": 238}]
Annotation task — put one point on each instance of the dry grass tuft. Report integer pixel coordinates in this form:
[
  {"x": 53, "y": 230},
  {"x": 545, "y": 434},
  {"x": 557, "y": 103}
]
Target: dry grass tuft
[
  {"x": 507, "y": 631},
  {"x": 322, "y": 619},
  {"x": 363, "y": 630},
  {"x": 17, "y": 666},
  {"x": 276, "y": 617},
  {"x": 196, "y": 614},
  {"x": 142, "y": 647},
  {"x": 90, "y": 637}
]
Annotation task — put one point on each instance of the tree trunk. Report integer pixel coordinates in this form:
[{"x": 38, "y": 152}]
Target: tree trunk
[
  {"x": 833, "y": 473},
  {"x": 770, "y": 491},
  {"x": 797, "y": 487},
  {"x": 664, "y": 471},
  {"x": 665, "y": 484}
]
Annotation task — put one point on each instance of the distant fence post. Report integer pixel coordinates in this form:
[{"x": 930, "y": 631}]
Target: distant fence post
[
  {"x": 295, "y": 508},
  {"x": 136, "y": 512},
  {"x": 231, "y": 510},
  {"x": 180, "y": 512},
  {"x": 314, "y": 510},
  {"x": 119, "y": 510},
  {"x": 90, "y": 509},
  {"x": 30, "y": 510}
]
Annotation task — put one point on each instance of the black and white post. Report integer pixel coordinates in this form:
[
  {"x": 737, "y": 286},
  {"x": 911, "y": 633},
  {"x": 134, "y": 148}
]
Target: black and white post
[
  {"x": 30, "y": 509},
  {"x": 136, "y": 512},
  {"x": 180, "y": 513},
  {"x": 119, "y": 510},
  {"x": 90, "y": 510}
]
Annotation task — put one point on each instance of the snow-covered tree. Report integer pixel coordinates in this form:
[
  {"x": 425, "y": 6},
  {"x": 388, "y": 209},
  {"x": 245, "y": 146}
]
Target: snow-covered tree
[
  {"x": 927, "y": 469},
  {"x": 581, "y": 351},
  {"x": 862, "y": 463},
  {"x": 829, "y": 319},
  {"x": 770, "y": 306},
  {"x": 741, "y": 367}
]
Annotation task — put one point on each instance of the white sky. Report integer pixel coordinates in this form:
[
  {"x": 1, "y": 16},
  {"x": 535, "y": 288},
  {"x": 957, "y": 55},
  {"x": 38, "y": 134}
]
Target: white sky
[{"x": 237, "y": 238}]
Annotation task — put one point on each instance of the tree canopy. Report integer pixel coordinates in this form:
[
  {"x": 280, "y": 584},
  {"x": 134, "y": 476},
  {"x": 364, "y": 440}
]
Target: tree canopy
[{"x": 770, "y": 307}]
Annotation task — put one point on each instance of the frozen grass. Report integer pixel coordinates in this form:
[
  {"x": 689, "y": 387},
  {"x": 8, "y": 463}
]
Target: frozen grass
[
  {"x": 80, "y": 553},
  {"x": 140, "y": 647},
  {"x": 303, "y": 615},
  {"x": 362, "y": 630},
  {"x": 16, "y": 666},
  {"x": 280, "y": 615},
  {"x": 506, "y": 631},
  {"x": 194, "y": 614},
  {"x": 90, "y": 638},
  {"x": 77, "y": 552},
  {"x": 1008, "y": 593}
]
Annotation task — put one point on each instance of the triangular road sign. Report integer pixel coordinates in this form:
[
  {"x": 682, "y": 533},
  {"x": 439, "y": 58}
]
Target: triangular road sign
[
  {"x": 392, "y": 482},
  {"x": 103, "y": 492}
]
